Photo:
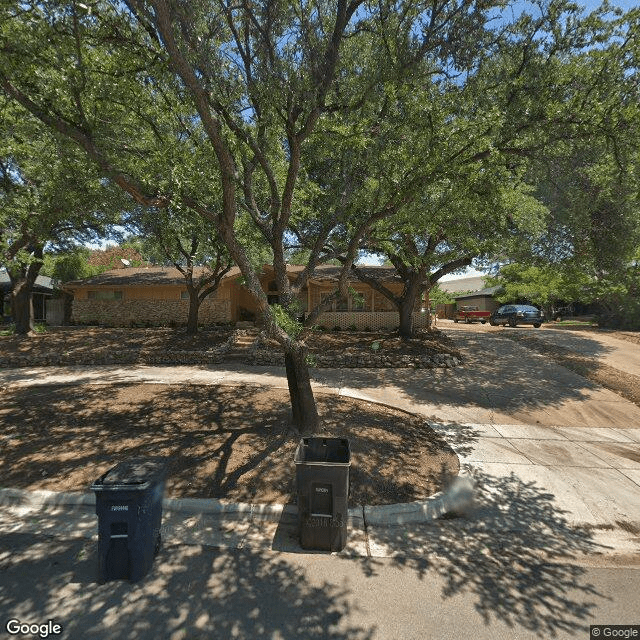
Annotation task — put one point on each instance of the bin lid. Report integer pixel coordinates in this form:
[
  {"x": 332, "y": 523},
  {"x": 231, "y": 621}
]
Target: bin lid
[
  {"x": 323, "y": 450},
  {"x": 135, "y": 473}
]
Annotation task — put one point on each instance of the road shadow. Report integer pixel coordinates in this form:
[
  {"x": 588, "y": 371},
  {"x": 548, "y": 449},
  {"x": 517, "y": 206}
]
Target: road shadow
[
  {"x": 193, "y": 593},
  {"x": 577, "y": 343}
]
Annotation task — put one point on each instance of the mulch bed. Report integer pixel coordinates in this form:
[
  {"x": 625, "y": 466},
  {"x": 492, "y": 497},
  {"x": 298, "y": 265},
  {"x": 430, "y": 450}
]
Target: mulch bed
[
  {"x": 233, "y": 443},
  {"x": 388, "y": 343}
]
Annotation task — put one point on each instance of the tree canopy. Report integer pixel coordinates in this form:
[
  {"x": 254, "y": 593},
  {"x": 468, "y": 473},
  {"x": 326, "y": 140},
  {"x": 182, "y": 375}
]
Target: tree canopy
[{"x": 315, "y": 121}]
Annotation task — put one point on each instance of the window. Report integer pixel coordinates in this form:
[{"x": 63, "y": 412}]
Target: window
[
  {"x": 184, "y": 295},
  {"x": 104, "y": 294},
  {"x": 361, "y": 301},
  {"x": 342, "y": 304},
  {"x": 323, "y": 297}
]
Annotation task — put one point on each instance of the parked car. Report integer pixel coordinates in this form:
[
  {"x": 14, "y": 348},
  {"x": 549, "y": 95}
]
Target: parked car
[
  {"x": 515, "y": 314},
  {"x": 470, "y": 314}
]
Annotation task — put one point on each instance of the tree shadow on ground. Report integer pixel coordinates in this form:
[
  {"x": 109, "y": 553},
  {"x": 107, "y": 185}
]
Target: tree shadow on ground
[
  {"x": 513, "y": 549},
  {"x": 497, "y": 374},
  {"x": 234, "y": 443},
  {"x": 579, "y": 343},
  {"x": 193, "y": 593}
]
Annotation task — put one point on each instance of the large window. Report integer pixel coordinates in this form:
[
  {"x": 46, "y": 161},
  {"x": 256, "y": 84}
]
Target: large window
[{"x": 104, "y": 294}]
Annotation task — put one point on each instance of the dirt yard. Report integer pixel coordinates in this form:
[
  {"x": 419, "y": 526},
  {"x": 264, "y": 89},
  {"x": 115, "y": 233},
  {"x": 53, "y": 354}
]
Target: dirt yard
[
  {"x": 347, "y": 342},
  {"x": 79, "y": 341},
  {"x": 234, "y": 443}
]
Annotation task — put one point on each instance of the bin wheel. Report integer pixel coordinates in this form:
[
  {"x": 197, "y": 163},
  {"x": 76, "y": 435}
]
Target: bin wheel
[{"x": 156, "y": 549}]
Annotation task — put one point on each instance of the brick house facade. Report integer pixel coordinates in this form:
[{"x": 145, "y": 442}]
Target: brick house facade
[{"x": 156, "y": 296}]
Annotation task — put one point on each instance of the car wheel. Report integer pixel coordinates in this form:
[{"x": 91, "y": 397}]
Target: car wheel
[
  {"x": 537, "y": 325},
  {"x": 483, "y": 322},
  {"x": 455, "y": 320},
  {"x": 512, "y": 322},
  {"x": 492, "y": 323}
]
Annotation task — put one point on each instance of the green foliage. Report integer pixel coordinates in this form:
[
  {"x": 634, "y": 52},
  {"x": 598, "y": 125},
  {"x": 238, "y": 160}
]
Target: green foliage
[
  {"x": 287, "y": 322},
  {"x": 439, "y": 296},
  {"x": 8, "y": 330},
  {"x": 72, "y": 264},
  {"x": 544, "y": 285}
]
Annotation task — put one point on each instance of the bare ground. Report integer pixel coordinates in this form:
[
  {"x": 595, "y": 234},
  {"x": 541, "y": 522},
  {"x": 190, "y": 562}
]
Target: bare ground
[
  {"x": 388, "y": 343},
  {"x": 234, "y": 443},
  {"x": 87, "y": 340}
]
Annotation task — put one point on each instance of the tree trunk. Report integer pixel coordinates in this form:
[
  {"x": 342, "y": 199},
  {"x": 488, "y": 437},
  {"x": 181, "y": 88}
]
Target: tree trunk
[
  {"x": 194, "y": 308},
  {"x": 303, "y": 404},
  {"x": 22, "y": 306},
  {"x": 406, "y": 317}
]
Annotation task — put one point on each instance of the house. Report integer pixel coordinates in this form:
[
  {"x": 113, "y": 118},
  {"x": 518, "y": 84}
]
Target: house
[
  {"x": 42, "y": 294},
  {"x": 483, "y": 299},
  {"x": 158, "y": 296},
  {"x": 146, "y": 296}
]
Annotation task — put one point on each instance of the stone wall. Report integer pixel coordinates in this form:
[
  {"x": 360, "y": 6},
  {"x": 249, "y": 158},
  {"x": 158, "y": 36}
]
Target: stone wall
[
  {"x": 154, "y": 313},
  {"x": 368, "y": 319}
]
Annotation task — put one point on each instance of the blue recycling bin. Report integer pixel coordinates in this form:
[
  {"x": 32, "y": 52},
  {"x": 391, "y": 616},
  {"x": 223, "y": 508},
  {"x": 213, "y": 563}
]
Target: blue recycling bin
[{"x": 129, "y": 509}]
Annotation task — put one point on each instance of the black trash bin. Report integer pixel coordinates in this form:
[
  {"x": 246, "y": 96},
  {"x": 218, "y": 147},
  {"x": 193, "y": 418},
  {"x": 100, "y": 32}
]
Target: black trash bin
[
  {"x": 129, "y": 509},
  {"x": 322, "y": 476}
]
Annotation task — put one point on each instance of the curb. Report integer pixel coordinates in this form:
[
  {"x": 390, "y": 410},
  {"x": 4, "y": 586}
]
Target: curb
[{"x": 455, "y": 498}]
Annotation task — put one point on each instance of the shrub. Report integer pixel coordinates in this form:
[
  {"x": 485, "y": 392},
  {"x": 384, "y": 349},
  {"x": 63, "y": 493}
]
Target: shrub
[
  {"x": 337, "y": 328},
  {"x": 9, "y": 330},
  {"x": 352, "y": 327}
]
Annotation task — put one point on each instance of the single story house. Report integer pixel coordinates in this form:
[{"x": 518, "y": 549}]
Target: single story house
[
  {"x": 483, "y": 299},
  {"x": 158, "y": 296},
  {"x": 42, "y": 293}
]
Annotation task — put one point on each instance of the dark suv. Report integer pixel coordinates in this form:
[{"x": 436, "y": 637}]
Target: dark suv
[{"x": 515, "y": 314}]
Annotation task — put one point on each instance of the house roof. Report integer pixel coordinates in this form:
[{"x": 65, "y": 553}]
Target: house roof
[
  {"x": 163, "y": 276},
  {"x": 473, "y": 283},
  {"x": 137, "y": 276},
  {"x": 486, "y": 293},
  {"x": 43, "y": 284},
  {"x": 158, "y": 276},
  {"x": 329, "y": 273}
]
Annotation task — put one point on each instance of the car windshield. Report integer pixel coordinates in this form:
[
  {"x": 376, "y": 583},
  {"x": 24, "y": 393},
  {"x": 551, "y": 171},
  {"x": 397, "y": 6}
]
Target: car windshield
[{"x": 524, "y": 307}]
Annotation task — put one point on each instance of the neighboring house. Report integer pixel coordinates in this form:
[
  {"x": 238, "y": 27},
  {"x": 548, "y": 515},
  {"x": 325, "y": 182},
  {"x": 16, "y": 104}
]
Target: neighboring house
[
  {"x": 483, "y": 299},
  {"x": 42, "y": 294},
  {"x": 158, "y": 296}
]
